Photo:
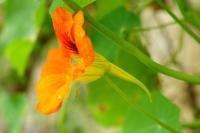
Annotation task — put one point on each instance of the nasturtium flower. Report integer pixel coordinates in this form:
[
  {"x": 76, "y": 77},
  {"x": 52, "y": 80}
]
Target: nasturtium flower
[
  {"x": 74, "y": 60},
  {"x": 66, "y": 63}
]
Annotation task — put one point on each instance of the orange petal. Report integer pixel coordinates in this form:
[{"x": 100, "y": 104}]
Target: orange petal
[
  {"x": 62, "y": 23},
  {"x": 86, "y": 50},
  {"x": 83, "y": 43},
  {"x": 77, "y": 32},
  {"x": 59, "y": 71},
  {"x": 55, "y": 82},
  {"x": 51, "y": 91},
  {"x": 56, "y": 63},
  {"x": 79, "y": 18}
]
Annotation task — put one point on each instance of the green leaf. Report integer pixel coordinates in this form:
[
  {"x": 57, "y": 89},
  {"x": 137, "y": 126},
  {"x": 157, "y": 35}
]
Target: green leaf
[
  {"x": 126, "y": 46},
  {"x": 104, "y": 9},
  {"x": 22, "y": 24},
  {"x": 21, "y": 21},
  {"x": 40, "y": 13},
  {"x": 106, "y": 102},
  {"x": 160, "y": 116},
  {"x": 13, "y": 108},
  {"x": 83, "y": 3},
  {"x": 189, "y": 13},
  {"x": 18, "y": 53},
  {"x": 106, "y": 105},
  {"x": 57, "y": 3},
  {"x": 119, "y": 21}
]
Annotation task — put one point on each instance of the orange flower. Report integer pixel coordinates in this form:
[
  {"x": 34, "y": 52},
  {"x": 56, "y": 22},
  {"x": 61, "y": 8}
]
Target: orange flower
[{"x": 64, "y": 64}]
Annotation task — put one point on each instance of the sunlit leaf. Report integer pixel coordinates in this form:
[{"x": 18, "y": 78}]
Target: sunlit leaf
[
  {"x": 18, "y": 53},
  {"x": 120, "y": 21},
  {"x": 84, "y": 3},
  {"x": 22, "y": 24},
  {"x": 22, "y": 20},
  {"x": 104, "y": 9},
  {"x": 57, "y": 3},
  {"x": 107, "y": 106},
  {"x": 159, "y": 116}
]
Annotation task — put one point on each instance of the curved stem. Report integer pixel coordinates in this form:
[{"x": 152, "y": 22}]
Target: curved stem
[
  {"x": 126, "y": 46},
  {"x": 190, "y": 32}
]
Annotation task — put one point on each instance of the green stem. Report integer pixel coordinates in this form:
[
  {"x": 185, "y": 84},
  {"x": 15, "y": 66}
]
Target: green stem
[
  {"x": 142, "y": 6},
  {"x": 193, "y": 125},
  {"x": 126, "y": 46},
  {"x": 152, "y": 117},
  {"x": 180, "y": 47},
  {"x": 125, "y": 97},
  {"x": 190, "y": 32},
  {"x": 118, "y": 91},
  {"x": 62, "y": 119},
  {"x": 150, "y": 28}
]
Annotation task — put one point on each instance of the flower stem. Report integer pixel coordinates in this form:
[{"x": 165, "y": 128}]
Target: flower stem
[
  {"x": 150, "y": 28},
  {"x": 190, "y": 32},
  {"x": 118, "y": 91},
  {"x": 193, "y": 125},
  {"x": 126, "y": 46},
  {"x": 136, "y": 108}
]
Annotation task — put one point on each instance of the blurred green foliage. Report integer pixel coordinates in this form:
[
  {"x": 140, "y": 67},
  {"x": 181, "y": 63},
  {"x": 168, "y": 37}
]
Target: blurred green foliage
[
  {"x": 22, "y": 24},
  {"x": 190, "y": 14},
  {"x": 121, "y": 22},
  {"x": 110, "y": 101},
  {"x": 18, "y": 53},
  {"x": 13, "y": 109},
  {"x": 141, "y": 118},
  {"x": 103, "y": 9}
]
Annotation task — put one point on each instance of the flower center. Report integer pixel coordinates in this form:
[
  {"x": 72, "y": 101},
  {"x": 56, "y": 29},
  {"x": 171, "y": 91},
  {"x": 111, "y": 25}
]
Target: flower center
[
  {"x": 76, "y": 60},
  {"x": 70, "y": 44},
  {"x": 73, "y": 47}
]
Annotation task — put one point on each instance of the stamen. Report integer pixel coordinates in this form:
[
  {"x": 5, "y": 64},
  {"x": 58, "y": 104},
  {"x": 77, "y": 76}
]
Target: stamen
[{"x": 75, "y": 60}]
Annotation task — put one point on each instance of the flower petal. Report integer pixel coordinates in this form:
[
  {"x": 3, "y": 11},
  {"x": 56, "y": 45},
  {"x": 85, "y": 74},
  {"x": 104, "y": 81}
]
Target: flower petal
[
  {"x": 62, "y": 67},
  {"x": 62, "y": 23},
  {"x": 56, "y": 63},
  {"x": 83, "y": 43},
  {"x": 86, "y": 50},
  {"x": 55, "y": 82},
  {"x": 79, "y": 18},
  {"x": 51, "y": 91},
  {"x": 77, "y": 32}
]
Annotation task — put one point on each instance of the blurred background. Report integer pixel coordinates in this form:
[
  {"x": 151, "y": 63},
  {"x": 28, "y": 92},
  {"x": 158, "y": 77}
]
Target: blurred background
[{"x": 26, "y": 35}]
